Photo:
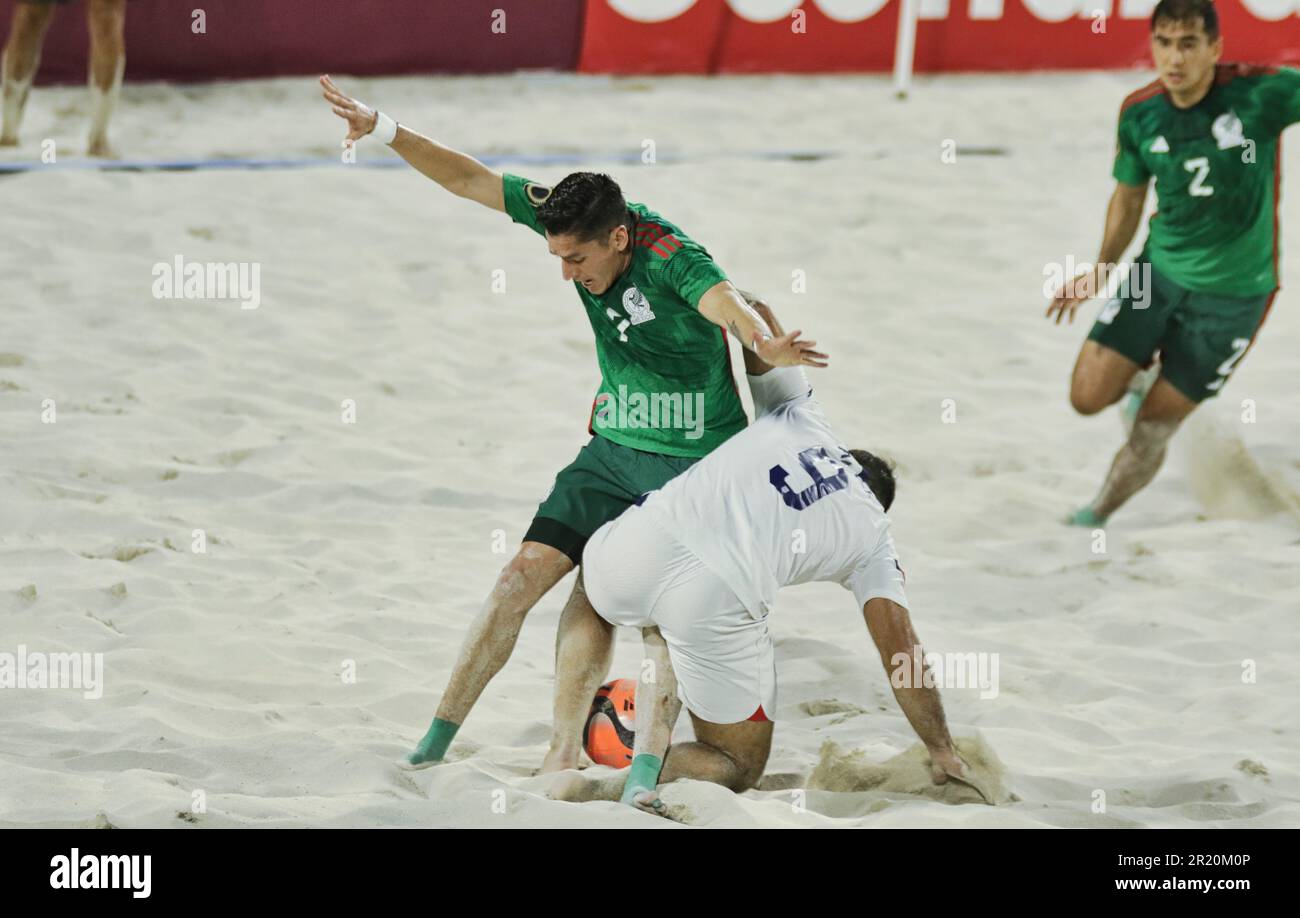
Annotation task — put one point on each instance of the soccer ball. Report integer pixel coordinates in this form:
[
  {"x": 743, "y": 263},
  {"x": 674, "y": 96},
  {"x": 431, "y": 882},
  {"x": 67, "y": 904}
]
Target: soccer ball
[{"x": 610, "y": 730}]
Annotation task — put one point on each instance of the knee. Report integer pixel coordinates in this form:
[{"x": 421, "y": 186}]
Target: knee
[
  {"x": 1087, "y": 400},
  {"x": 746, "y": 772},
  {"x": 107, "y": 21},
  {"x": 30, "y": 21}
]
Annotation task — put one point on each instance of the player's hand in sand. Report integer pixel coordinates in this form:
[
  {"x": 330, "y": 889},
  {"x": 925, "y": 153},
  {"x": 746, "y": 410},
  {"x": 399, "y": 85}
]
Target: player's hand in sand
[
  {"x": 947, "y": 765},
  {"x": 789, "y": 351},
  {"x": 360, "y": 117},
  {"x": 1074, "y": 293}
]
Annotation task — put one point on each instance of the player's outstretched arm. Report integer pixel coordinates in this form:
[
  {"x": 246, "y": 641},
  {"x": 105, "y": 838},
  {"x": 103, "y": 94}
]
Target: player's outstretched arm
[
  {"x": 900, "y": 651},
  {"x": 657, "y": 707},
  {"x": 754, "y": 364},
  {"x": 724, "y": 306},
  {"x": 459, "y": 173},
  {"x": 1123, "y": 215}
]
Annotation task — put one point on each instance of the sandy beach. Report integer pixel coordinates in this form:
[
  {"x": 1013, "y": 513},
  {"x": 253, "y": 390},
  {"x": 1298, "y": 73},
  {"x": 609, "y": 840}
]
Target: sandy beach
[{"x": 356, "y": 456}]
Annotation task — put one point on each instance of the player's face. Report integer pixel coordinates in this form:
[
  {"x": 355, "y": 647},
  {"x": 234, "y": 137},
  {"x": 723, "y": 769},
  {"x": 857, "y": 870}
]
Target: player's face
[
  {"x": 1185, "y": 55},
  {"x": 596, "y": 263}
]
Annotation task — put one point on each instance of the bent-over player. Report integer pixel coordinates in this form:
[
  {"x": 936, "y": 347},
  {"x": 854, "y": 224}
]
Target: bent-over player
[{"x": 697, "y": 566}]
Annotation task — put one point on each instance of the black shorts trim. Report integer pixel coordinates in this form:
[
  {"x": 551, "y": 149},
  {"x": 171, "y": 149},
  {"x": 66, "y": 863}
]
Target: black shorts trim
[{"x": 558, "y": 536}]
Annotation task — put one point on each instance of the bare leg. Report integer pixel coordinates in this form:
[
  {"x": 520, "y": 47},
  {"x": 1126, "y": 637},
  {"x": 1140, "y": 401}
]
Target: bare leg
[
  {"x": 584, "y": 649},
  {"x": 492, "y": 636},
  {"x": 22, "y": 55},
  {"x": 107, "y": 21},
  {"x": 733, "y": 755},
  {"x": 1140, "y": 458},
  {"x": 1100, "y": 378}
]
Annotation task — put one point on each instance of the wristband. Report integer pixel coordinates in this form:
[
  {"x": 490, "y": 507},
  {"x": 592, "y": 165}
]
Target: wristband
[
  {"x": 385, "y": 128},
  {"x": 642, "y": 775}
]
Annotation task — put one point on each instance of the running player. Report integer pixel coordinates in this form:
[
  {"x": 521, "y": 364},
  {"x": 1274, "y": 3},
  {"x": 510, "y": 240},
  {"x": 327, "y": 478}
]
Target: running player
[
  {"x": 658, "y": 305},
  {"x": 1197, "y": 295},
  {"x": 22, "y": 55},
  {"x": 698, "y": 564}
]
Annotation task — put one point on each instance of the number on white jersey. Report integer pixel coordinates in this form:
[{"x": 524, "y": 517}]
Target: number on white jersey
[{"x": 821, "y": 484}]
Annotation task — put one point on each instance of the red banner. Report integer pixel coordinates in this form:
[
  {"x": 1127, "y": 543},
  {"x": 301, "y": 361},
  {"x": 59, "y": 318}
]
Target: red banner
[{"x": 762, "y": 36}]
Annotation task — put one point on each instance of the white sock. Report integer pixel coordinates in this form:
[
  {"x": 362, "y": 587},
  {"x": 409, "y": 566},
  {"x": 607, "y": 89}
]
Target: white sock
[{"x": 103, "y": 101}]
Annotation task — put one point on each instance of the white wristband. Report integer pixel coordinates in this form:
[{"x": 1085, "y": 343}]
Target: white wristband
[{"x": 385, "y": 128}]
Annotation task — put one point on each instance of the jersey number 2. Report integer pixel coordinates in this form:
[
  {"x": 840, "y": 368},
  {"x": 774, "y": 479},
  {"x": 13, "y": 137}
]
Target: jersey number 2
[
  {"x": 1239, "y": 346},
  {"x": 1201, "y": 166},
  {"x": 821, "y": 486}
]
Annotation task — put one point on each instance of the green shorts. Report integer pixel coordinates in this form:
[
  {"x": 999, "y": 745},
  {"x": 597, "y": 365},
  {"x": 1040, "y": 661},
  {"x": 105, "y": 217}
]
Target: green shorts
[
  {"x": 1200, "y": 337},
  {"x": 603, "y": 481}
]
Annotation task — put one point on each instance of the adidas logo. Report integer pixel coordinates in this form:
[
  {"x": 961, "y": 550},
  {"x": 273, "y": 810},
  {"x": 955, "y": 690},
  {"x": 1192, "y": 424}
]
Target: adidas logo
[{"x": 1160, "y": 145}]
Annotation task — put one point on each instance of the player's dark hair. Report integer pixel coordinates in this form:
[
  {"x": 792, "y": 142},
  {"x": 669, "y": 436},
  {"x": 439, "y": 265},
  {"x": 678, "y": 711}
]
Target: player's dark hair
[
  {"x": 878, "y": 474},
  {"x": 1186, "y": 12},
  {"x": 585, "y": 204}
]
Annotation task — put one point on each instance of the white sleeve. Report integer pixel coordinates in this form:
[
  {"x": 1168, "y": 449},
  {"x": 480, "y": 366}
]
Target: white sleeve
[
  {"x": 776, "y": 387},
  {"x": 880, "y": 576}
]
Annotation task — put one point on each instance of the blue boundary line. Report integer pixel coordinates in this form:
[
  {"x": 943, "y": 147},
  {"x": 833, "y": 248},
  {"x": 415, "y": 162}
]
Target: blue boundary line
[{"x": 255, "y": 164}]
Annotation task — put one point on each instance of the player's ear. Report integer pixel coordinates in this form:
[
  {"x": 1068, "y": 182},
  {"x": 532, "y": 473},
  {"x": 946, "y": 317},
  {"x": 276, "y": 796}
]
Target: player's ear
[{"x": 618, "y": 238}]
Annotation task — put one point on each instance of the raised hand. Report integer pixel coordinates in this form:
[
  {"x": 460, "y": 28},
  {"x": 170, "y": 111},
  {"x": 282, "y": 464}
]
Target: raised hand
[{"x": 360, "y": 117}]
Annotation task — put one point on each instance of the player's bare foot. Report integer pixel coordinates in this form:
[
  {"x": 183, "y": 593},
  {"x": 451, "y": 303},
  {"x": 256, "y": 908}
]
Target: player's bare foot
[
  {"x": 559, "y": 760},
  {"x": 572, "y": 786}
]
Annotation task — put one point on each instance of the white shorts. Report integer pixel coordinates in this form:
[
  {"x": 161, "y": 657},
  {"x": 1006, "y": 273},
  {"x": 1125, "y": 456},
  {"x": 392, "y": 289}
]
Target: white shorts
[{"x": 636, "y": 574}]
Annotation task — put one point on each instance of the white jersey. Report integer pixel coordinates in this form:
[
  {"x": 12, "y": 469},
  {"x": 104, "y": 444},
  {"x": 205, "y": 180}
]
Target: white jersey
[{"x": 782, "y": 503}]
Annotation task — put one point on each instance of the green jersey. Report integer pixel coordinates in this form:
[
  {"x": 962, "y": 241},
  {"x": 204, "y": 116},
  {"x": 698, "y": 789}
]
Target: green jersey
[
  {"x": 665, "y": 371},
  {"x": 1217, "y": 170}
]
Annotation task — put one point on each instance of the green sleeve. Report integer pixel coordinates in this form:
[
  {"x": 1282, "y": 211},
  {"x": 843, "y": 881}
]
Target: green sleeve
[
  {"x": 523, "y": 197},
  {"x": 1129, "y": 167},
  {"x": 690, "y": 272},
  {"x": 1279, "y": 94}
]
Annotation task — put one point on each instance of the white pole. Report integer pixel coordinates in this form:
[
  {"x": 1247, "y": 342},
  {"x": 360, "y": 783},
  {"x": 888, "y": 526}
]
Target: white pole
[{"x": 905, "y": 47}]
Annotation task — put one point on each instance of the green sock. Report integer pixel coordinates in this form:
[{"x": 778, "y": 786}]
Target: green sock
[
  {"x": 1085, "y": 516},
  {"x": 434, "y": 745},
  {"x": 642, "y": 775}
]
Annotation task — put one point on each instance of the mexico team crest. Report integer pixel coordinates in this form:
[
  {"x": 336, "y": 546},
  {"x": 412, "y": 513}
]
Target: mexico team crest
[
  {"x": 1228, "y": 131},
  {"x": 636, "y": 306}
]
